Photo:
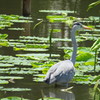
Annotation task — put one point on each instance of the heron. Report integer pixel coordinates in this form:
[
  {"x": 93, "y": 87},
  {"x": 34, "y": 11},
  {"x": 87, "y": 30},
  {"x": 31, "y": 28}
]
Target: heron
[{"x": 63, "y": 72}]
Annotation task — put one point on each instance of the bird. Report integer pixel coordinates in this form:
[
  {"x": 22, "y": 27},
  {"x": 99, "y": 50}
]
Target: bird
[{"x": 63, "y": 72}]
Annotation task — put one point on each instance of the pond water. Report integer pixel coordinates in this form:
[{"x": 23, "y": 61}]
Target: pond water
[{"x": 79, "y": 92}]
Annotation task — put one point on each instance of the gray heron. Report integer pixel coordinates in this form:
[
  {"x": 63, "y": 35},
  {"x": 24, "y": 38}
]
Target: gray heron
[{"x": 62, "y": 72}]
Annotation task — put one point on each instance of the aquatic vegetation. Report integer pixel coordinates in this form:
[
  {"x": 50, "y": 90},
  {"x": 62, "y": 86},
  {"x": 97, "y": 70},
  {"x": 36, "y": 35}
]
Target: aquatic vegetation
[
  {"x": 49, "y": 98},
  {"x": 96, "y": 88},
  {"x": 9, "y": 20},
  {"x": 96, "y": 45},
  {"x": 83, "y": 79},
  {"x": 15, "y": 89},
  {"x": 84, "y": 56},
  {"x": 4, "y": 43},
  {"x": 13, "y": 98},
  {"x": 92, "y": 5},
  {"x": 3, "y": 36},
  {"x": 10, "y": 77},
  {"x": 56, "y": 11},
  {"x": 30, "y": 55},
  {"x": 3, "y": 82},
  {"x": 17, "y": 29},
  {"x": 62, "y": 18}
]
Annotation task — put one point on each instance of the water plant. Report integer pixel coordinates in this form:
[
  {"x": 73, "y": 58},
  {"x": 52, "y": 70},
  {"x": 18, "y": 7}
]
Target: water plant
[
  {"x": 92, "y": 5},
  {"x": 96, "y": 88},
  {"x": 31, "y": 58},
  {"x": 95, "y": 48},
  {"x": 13, "y": 98},
  {"x": 50, "y": 98}
]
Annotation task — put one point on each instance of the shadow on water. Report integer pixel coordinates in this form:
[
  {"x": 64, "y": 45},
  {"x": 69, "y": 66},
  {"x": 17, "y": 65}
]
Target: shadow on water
[{"x": 79, "y": 92}]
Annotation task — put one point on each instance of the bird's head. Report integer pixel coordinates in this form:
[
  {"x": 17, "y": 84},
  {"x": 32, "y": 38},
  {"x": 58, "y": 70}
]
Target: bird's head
[{"x": 79, "y": 26}]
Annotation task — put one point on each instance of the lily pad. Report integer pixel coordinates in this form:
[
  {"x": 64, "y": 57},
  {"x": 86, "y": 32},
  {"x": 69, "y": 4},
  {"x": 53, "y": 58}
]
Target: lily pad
[
  {"x": 6, "y": 65},
  {"x": 21, "y": 21},
  {"x": 10, "y": 77},
  {"x": 50, "y": 98},
  {"x": 3, "y": 82},
  {"x": 56, "y": 11},
  {"x": 15, "y": 89},
  {"x": 13, "y": 98},
  {"x": 17, "y": 29}
]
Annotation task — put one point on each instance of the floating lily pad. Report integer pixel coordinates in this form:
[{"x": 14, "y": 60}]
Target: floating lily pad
[
  {"x": 15, "y": 89},
  {"x": 21, "y": 21},
  {"x": 13, "y": 98},
  {"x": 56, "y": 11},
  {"x": 4, "y": 43},
  {"x": 37, "y": 55},
  {"x": 17, "y": 29},
  {"x": 31, "y": 49},
  {"x": 1, "y": 87},
  {"x": 3, "y": 82},
  {"x": 38, "y": 79},
  {"x": 50, "y": 98},
  {"x": 3, "y": 36},
  {"x": 22, "y": 72},
  {"x": 6, "y": 65},
  {"x": 10, "y": 77},
  {"x": 37, "y": 46}
]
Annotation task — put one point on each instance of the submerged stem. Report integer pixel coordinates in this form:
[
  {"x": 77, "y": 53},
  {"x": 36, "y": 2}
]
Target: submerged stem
[{"x": 95, "y": 60}]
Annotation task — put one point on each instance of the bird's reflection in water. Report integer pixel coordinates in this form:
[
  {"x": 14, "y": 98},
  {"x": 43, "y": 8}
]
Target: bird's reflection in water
[{"x": 57, "y": 93}]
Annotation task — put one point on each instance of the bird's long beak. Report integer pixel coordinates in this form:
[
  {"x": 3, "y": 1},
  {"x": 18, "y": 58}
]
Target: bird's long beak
[{"x": 86, "y": 27}]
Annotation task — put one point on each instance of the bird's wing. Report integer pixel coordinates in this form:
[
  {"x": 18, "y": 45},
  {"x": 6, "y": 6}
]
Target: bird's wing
[
  {"x": 52, "y": 70},
  {"x": 64, "y": 72}
]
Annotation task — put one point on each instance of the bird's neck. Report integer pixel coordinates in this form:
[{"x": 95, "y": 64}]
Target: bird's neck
[{"x": 74, "y": 43}]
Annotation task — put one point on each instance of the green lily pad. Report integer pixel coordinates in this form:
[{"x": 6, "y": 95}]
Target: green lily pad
[
  {"x": 50, "y": 98},
  {"x": 15, "y": 89},
  {"x": 38, "y": 79},
  {"x": 10, "y": 77},
  {"x": 6, "y": 65},
  {"x": 21, "y": 21},
  {"x": 56, "y": 11},
  {"x": 17, "y": 29},
  {"x": 3, "y": 82},
  {"x": 13, "y": 98}
]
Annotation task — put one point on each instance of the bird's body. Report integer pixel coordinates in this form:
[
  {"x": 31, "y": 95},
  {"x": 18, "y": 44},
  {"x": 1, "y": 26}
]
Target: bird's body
[{"x": 62, "y": 72}]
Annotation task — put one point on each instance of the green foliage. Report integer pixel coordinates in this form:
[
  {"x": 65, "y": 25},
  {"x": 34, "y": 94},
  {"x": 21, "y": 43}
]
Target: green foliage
[
  {"x": 96, "y": 45},
  {"x": 15, "y": 89},
  {"x": 96, "y": 86},
  {"x": 83, "y": 56},
  {"x": 9, "y": 20},
  {"x": 10, "y": 77},
  {"x": 17, "y": 29},
  {"x": 62, "y": 18},
  {"x": 38, "y": 24},
  {"x": 89, "y": 62},
  {"x": 4, "y": 43},
  {"x": 4, "y": 82},
  {"x": 3, "y": 36},
  {"x": 37, "y": 46},
  {"x": 37, "y": 64},
  {"x": 92, "y": 5},
  {"x": 18, "y": 49},
  {"x": 49, "y": 98},
  {"x": 82, "y": 79},
  {"x": 55, "y": 30},
  {"x": 13, "y": 98},
  {"x": 97, "y": 78},
  {"x": 57, "y": 11}
]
